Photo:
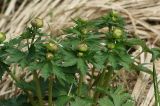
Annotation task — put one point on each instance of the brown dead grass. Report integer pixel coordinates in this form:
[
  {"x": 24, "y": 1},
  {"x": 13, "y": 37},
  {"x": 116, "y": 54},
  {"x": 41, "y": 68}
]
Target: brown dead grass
[{"x": 142, "y": 17}]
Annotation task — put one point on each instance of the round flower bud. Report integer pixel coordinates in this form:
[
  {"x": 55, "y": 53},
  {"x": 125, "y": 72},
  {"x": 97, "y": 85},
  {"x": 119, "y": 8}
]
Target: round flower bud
[
  {"x": 49, "y": 56},
  {"x": 111, "y": 46},
  {"x": 114, "y": 13},
  {"x": 2, "y": 37},
  {"x": 37, "y": 22},
  {"x": 52, "y": 47},
  {"x": 82, "y": 47},
  {"x": 117, "y": 33},
  {"x": 79, "y": 54}
]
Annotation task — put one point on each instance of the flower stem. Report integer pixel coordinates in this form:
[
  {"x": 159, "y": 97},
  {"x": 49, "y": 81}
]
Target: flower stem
[
  {"x": 50, "y": 91},
  {"x": 38, "y": 88},
  {"x": 30, "y": 98},
  {"x": 156, "y": 92},
  {"x": 80, "y": 84},
  {"x": 91, "y": 82},
  {"x": 107, "y": 78},
  {"x": 99, "y": 84}
]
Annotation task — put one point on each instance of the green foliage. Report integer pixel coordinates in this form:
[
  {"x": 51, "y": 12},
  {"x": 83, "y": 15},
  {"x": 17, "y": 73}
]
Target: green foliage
[
  {"x": 80, "y": 102},
  {"x": 21, "y": 100},
  {"x": 59, "y": 66},
  {"x": 116, "y": 97}
]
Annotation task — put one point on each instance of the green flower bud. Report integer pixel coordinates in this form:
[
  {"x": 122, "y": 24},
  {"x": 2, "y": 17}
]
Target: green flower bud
[
  {"x": 111, "y": 46},
  {"x": 79, "y": 54},
  {"x": 49, "y": 56},
  {"x": 52, "y": 47},
  {"x": 37, "y": 22},
  {"x": 117, "y": 33},
  {"x": 2, "y": 37},
  {"x": 82, "y": 47}
]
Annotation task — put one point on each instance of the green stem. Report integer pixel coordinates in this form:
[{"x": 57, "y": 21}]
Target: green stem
[
  {"x": 104, "y": 81},
  {"x": 108, "y": 77},
  {"x": 90, "y": 82},
  {"x": 50, "y": 91},
  {"x": 80, "y": 84},
  {"x": 38, "y": 88},
  {"x": 99, "y": 84},
  {"x": 155, "y": 86},
  {"x": 30, "y": 98},
  {"x": 28, "y": 44},
  {"x": 32, "y": 41}
]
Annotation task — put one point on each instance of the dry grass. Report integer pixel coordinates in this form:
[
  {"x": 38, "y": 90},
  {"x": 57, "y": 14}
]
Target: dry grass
[{"x": 142, "y": 17}]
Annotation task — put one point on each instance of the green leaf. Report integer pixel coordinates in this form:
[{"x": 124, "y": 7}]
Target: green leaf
[
  {"x": 129, "y": 103},
  {"x": 126, "y": 58},
  {"x": 98, "y": 61},
  {"x": 155, "y": 53},
  {"x": 15, "y": 55},
  {"x": 115, "y": 97},
  {"x": 80, "y": 102},
  {"x": 31, "y": 53},
  {"x": 105, "y": 101},
  {"x": 113, "y": 61},
  {"x": 70, "y": 62},
  {"x": 81, "y": 65},
  {"x": 13, "y": 41},
  {"x": 51, "y": 69},
  {"x": 46, "y": 70},
  {"x": 21, "y": 100},
  {"x": 125, "y": 65},
  {"x": 136, "y": 41},
  {"x": 140, "y": 67},
  {"x": 35, "y": 66},
  {"x": 25, "y": 86},
  {"x": 62, "y": 100},
  {"x": 58, "y": 72}
]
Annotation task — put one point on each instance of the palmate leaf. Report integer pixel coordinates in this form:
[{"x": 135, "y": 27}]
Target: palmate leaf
[
  {"x": 62, "y": 100},
  {"x": 125, "y": 65},
  {"x": 136, "y": 41},
  {"x": 125, "y": 60},
  {"x": 155, "y": 53},
  {"x": 72, "y": 31},
  {"x": 81, "y": 66},
  {"x": 46, "y": 70},
  {"x": 13, "y": 41},
  {"x": 116, "y": 97},
  {"x": 15, "y": 55},
  {"x": 60, "y": 89},
  {"x": 69, "y": 59},
  {"x": 105, "y": 102},
  {"x": 113, "y": 60},
  {"x": 26, "y": 86},
  {"x": 98, "y": 60},
  {"x": 70, "y": 62},
  {"x": 142, "y": 68},
  {"x": 49, "y": 69},
  {"x": 58, "y": 72},
  {"x": 80, "y": 102},
  {"x": 128, "y": 103}
]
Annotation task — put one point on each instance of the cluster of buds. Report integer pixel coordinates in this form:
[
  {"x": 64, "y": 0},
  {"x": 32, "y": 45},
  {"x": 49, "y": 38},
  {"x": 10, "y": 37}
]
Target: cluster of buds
[
  {"x": 81, "y": 49},
  {"x": 51, "y": 48}
]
